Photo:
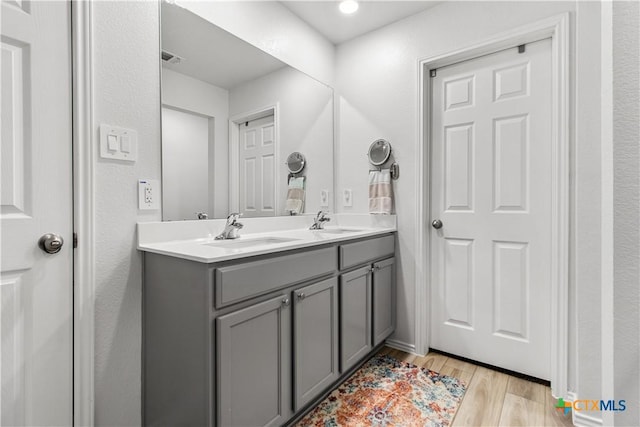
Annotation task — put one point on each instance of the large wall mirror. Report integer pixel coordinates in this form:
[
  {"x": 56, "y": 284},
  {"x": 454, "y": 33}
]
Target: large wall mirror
[{"x": 231, "y": 115}]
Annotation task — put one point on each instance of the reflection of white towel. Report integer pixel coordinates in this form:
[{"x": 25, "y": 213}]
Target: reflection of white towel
[
  {"x": 380, "y": 192},
  {"x": 295, "y": 196}
]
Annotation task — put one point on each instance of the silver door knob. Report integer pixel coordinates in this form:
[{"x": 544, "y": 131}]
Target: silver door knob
[
  {"x": 285, "y": 301},
  {"x": 51, "y": 243},
  {"x": 437, "y": 224}
]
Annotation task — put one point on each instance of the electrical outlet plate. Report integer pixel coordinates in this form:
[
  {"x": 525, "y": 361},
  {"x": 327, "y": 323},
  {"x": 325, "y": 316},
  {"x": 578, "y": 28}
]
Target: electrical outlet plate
[
  {"x": 148, "y": 194},
  {"x": 324, "y": 198},
  {"x": 347, "y": 197}
]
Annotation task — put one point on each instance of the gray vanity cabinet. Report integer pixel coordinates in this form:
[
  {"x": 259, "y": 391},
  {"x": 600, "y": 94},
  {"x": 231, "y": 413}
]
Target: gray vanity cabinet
[
  {"x": 384, "y": 303},
  {"x": 315, "y": 330},
  {"x": 256, "y": 341},
  {"x": 253, "y": 360},
  {"x": 355, "y": 316}
]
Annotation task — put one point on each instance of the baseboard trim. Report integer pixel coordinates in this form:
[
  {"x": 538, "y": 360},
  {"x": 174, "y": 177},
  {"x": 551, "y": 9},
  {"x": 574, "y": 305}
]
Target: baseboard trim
[
  {"x": 400, "y": 345},
  {"x": 580, "y": 419},
  {"x": 583, "y": 420}
]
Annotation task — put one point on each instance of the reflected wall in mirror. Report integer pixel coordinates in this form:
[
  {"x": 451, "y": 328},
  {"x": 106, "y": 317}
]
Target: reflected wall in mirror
[{"x": 231, "y": 114}]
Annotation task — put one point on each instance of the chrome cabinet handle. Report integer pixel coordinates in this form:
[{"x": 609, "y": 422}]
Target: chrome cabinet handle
[
  {"x": 51, "y": 243},
  {"x": 301, "y": 296},
  {"x": 285, "y": 301},
  {"x": 437, "y": 224}
]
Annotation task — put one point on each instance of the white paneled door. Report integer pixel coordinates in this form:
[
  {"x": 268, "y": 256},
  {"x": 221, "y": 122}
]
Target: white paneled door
[
  {"x": 491, "y": 191},
  {"x": 257, "y": 167},
  {"x": 36, "y": 293}
]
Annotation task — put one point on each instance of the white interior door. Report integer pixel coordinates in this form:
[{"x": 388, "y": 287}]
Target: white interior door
[
  {"x": 186, "y": 189},
  {"x": 491, "y": 189},
  {"x": 257, "y": 167},
  {"x": 36, "y": 287}
]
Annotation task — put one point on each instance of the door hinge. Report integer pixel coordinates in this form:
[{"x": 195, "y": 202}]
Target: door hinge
[
  {"x": 433, "y": 73},
  {"x": 521, "y": 48},
  {"x": 75, "y": 240}
]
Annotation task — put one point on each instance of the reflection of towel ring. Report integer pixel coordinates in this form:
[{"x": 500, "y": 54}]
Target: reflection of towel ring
[{"x": 379, "y": 154}]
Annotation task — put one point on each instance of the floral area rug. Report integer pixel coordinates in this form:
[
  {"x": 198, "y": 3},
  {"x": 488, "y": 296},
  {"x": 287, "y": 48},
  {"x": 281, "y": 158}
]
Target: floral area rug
[{"x": 387, "y": 392}]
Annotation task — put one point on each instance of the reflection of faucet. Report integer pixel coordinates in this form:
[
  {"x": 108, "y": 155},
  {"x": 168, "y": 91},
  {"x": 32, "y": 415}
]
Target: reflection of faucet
[
  {"x": 231, "y": 228},
  {"x": 319, "y": 220},
  {"x": 202, "y": 215}
]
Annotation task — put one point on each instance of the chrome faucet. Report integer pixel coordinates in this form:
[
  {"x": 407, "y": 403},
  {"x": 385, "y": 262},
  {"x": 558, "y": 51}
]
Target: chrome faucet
[
  {"x": 231, "y": 228},
  {"x": 202, "y": 215},
  {"x": 319, "y": 220}
]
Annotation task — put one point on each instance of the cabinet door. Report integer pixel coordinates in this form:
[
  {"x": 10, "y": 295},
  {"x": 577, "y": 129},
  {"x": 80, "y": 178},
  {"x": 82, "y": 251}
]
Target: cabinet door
[
  {"x": 384, "y": 319},
  {"x": 355, "y": 316},
  {"x": 253, "y": 365},
  {"x": 315, "y": 340}
]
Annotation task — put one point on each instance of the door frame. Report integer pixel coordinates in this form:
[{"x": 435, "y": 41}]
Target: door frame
[
  {"x": 83, "y": 213},
  {"x": 234, "y": 152},
  {"x": 557, "y": 28}
]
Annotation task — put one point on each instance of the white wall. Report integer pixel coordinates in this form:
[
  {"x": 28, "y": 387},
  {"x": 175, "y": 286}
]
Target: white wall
[
  {"x": 273, "y": 28},
  {"x": 190, "y": 94},
  {"x": 626, "y": 156},
  {"x": 378, "y": 79},
  {"x": 126, "y": 93},
  {"x": 305, "y": 125}
]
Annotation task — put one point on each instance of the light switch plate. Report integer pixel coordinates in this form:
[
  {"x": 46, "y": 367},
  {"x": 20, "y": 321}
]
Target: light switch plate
[
  {"x": 148, "y": 194},
  {"x": 118, "y": 143},
  {"x": 324, "y": 198},
  {"x": 347, "y": 198}
]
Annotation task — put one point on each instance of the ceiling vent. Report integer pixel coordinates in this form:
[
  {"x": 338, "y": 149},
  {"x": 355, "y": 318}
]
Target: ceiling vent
[{"x": 171, "y": 58}]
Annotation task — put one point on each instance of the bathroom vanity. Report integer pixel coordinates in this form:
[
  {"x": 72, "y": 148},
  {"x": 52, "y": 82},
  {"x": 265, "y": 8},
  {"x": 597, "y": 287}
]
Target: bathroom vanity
[{"x": 254, "y": 331}]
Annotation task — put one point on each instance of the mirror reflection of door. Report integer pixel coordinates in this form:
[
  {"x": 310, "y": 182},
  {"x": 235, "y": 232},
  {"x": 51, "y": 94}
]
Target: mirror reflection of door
[
  {"x": 187, "y": 185},
  {"x": 257, "y": 167}
]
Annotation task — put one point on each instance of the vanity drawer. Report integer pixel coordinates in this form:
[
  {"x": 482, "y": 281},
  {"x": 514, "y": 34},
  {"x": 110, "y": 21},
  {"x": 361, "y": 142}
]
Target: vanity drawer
[
  {"x": 353, "y": 254},
  {"x": 238, "y": 282}
]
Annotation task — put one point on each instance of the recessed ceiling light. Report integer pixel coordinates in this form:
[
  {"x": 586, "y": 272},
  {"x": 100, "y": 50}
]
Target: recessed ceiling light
[{"x": 349, "y": 6}]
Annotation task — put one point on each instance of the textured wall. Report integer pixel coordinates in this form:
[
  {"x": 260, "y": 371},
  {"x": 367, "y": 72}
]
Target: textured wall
[
  {"x": 127, "y": 82},
  {"x": 626, "y": 153}
]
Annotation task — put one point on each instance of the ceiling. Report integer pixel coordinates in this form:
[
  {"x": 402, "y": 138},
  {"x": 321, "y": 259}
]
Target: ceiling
[
  {"x": 325, "y": 17},
  {"x": 210, "y": 53}
]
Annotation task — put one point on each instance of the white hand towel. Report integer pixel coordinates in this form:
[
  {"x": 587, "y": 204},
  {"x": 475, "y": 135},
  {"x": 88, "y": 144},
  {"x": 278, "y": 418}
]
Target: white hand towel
[{"x": 380, "y": 192}]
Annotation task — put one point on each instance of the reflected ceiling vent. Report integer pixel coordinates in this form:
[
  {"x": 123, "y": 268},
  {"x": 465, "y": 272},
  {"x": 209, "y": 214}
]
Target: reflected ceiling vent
[{"x": 171, "y": 58}]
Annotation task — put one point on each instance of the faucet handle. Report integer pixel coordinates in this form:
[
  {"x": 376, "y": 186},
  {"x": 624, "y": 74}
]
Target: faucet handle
[
  {"x": 233, "y": 217},
  {"x": 322, "y": 216}
]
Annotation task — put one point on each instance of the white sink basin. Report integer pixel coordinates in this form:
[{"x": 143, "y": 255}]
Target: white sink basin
[
  {"x": 339, "y": 230},
  {"x": 249, "y": 243}
]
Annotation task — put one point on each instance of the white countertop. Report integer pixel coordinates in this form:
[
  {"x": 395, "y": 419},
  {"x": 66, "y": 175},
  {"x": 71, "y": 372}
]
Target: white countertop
[{"x": 194, "y": 240}]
